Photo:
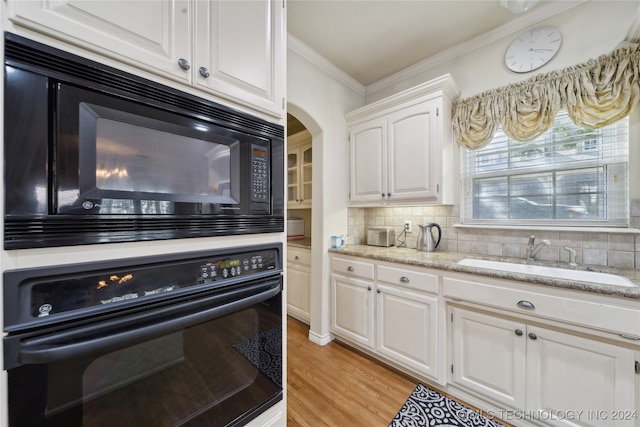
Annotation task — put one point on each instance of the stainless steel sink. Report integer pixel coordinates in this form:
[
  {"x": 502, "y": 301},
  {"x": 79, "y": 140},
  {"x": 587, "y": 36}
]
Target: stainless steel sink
[{"x": 554, "y": 272}]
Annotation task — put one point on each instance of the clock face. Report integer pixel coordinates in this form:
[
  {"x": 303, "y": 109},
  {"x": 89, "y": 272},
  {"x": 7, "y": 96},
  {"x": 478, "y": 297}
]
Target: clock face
[{"x": 532, "y": 49}]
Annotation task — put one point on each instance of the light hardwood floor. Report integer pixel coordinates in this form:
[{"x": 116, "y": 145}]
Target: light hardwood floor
[
  {"x": 333, "y": 385},
  {"x": 336, "y": 386}
]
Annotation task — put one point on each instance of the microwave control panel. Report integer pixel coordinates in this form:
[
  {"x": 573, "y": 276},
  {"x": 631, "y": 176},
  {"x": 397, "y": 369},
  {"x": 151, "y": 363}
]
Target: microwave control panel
[{"x": 260, "y": 185}]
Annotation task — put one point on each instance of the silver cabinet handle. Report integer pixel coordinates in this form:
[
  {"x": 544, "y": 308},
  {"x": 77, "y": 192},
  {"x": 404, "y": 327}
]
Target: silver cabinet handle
[
  {"x": 204, "y": 72},
  {"x": 518, "y": 332},
  {"x": 388, "y": 194},
  {"x": 378, "y": 291},
  {"x": 351, "y": 269},
  {"x": 184, "y": 64},
  {"x": 533, "y": 336},
  {"x": 404, "y": 279},
  {"x": 526, "y": 304},
  {"x": 296, "y": 257},
  {"x": 368, "y": 288}
]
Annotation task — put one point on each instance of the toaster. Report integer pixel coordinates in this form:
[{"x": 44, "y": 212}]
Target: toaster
[{"x": 380, "y": 237}]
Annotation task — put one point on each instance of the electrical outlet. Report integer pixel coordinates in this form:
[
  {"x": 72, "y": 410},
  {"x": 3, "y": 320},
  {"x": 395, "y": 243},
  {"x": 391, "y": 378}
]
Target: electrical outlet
[{"x": 407, "y": 226}]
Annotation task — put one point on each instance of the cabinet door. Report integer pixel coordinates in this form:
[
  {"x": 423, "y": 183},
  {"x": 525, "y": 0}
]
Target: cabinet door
[
  {"x": 306, "y": 172},
  {"x": 352, "y": 309},
  {"x": 239, "y": 49},
  {"x": 367, "y": 160},
  {"x": 293, "y": 178},
  {"x": 298, "y": 287},
  {"x": 569, "y": 373},
  {"x": 407, "y": 328},
  {"x": 414, "y": 156},
  {"x": 152, "y": 35},
  {"x": 489, "y": 356}
]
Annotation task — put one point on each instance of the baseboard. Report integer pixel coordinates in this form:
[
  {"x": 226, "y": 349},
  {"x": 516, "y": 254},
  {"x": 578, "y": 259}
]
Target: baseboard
[
  {"x": 320, "y": 339},
  {"x": 298, "y": 314}
]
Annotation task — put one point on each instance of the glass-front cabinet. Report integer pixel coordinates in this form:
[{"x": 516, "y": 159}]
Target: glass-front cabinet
[{"x": 299, "y": 170}]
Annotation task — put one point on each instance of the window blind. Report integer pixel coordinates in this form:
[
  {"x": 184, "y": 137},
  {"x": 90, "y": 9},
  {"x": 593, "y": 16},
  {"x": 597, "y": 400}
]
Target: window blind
[{"x": 568, "y": 176}]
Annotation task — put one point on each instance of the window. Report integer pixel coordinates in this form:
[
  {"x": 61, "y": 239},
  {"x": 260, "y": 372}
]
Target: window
[{"x": 568, "y": 176}]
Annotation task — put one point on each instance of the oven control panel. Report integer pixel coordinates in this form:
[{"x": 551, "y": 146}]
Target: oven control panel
[
  {"x": 42, "y": 293},
  {"x": 234, "y": 267}
]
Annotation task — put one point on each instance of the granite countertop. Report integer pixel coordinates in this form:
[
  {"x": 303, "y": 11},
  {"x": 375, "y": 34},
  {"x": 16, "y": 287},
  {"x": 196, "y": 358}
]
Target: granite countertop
[
  {"x": 300, "y": 243},
  {"x": 448, "y": 261}
]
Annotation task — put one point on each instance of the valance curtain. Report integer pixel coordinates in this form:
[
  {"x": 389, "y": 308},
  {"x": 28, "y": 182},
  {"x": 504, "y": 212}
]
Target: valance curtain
[{"x": 594, "y": 94}]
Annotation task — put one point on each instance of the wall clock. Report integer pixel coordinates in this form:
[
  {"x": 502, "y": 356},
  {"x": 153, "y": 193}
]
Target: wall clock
[{"x": 532, "y": 49}]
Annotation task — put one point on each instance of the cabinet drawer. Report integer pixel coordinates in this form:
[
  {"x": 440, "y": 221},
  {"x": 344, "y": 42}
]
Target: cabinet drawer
[
  {"x": 408, "y": 277},
  {"x": 299, "y": 256},
  {"x": 599, "y": 315},
  {"x": 352, "y": 267}
]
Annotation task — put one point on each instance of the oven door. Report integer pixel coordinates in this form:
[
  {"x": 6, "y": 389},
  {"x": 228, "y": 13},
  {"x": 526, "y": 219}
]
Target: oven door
[{"x": 211, "y": 361}]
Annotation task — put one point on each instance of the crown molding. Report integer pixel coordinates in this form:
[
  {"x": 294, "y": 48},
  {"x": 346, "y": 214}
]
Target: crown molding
[
  {"x": 324, "y": 64},
  {"x": 443, "y": 86},
  {"x": 538, "y": 14},
  {"x": 533, "y": 17}
]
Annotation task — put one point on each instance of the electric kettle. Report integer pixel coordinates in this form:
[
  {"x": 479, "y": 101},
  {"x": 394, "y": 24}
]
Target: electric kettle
[{"x": 426, "y": 241}]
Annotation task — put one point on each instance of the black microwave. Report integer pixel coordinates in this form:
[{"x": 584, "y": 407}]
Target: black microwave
[{"x": 97, "y": 155}]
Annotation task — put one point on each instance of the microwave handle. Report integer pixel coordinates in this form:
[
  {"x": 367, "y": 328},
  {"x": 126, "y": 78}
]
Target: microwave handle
[{"x": 48, "y": 353}]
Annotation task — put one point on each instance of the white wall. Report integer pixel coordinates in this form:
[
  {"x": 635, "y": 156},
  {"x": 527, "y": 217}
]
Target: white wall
[
  {"x": 320, "y": 103},
  {"x": 589, "y": 30}
]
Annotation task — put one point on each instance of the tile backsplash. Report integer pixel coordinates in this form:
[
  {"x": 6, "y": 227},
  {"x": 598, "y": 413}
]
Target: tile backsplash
[{"x": 615, "y": 249}]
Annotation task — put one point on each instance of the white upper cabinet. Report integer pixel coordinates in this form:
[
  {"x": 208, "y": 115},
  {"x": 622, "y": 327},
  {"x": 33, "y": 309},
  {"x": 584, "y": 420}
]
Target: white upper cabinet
[
  {"x": 234, "y": 50},
  {"x": 367, "y": 161},
  {"x": 412, "y": 147},
  {"x": 402, "y": 150},
  {"x": 239, "y": 51},
  {"x": 154, "y": 35}
]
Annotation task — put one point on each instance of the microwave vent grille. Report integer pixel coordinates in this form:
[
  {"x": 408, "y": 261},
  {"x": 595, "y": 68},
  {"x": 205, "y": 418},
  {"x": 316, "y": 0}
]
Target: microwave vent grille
[
  {"x": 60, "y": 65},
  {"x": 59, "y": 231}
]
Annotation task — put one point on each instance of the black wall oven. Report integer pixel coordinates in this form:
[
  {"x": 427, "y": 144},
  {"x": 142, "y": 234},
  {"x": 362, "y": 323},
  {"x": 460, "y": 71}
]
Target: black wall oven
[
  {"x": 93, "y": 155},
  {"x": 190, "y": 339}
]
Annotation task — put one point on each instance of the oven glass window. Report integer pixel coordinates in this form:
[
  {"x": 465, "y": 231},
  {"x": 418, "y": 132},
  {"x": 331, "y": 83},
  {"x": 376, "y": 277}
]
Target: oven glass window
[{"x": 221, "y": 372}]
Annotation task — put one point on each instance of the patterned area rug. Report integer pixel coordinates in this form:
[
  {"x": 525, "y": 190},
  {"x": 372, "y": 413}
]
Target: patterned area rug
[
  {"x": 426, "y": 407},
  {"x": 264, "y": 351}
]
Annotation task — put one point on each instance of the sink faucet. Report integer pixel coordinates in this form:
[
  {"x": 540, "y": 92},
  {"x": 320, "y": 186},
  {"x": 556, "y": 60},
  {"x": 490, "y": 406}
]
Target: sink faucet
[
  {"x": 533, "y": 248},
  {"x": 572, "y": 256}
]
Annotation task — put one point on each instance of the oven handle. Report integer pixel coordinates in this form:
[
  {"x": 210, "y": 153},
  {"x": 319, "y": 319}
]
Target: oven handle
[{"x": 43, "y": 354}]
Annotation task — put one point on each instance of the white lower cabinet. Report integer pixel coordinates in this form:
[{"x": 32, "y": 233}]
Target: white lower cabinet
[
  {"x": 566, "y": 372},
  {"x": 352, "y": 309},
  {"x": 352, "y": 281},
  {"x": 542, "y": 371},
  {"x": 489, "y": 356},
  {"x": 407, "y": 328},
  {"x": 299, "y": 283},
  {"x": 531, "y": 354},
  {"x": 549, "y": 372},
  {"x": 385, "y": 310}
]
